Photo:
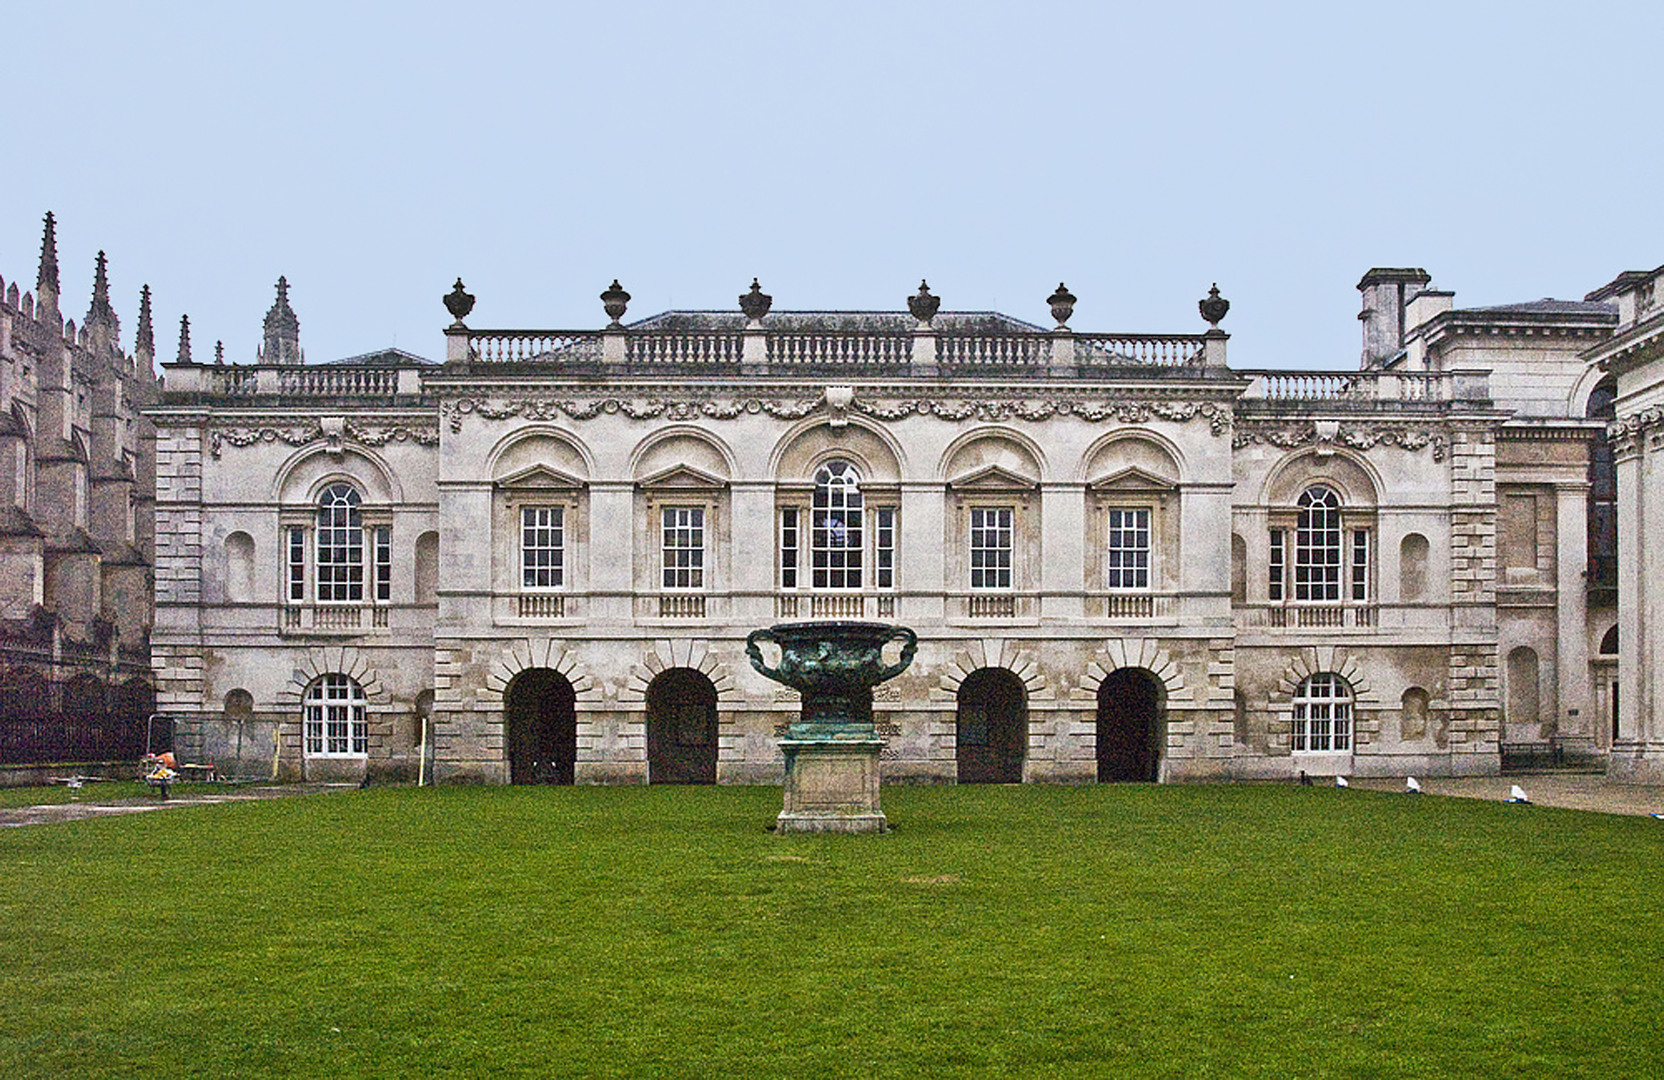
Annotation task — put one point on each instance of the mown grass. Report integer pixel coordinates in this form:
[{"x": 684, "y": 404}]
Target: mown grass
[
  {"x": 1025, "y": 931},
  {"x": 97, "y": 791}
]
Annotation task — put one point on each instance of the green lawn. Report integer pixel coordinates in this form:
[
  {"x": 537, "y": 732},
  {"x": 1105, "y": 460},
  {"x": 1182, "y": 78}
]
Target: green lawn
[{"x": 1034, "y": 931}]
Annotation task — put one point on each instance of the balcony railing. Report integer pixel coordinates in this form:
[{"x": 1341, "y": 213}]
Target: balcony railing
[
  {"x": 1308, "y": 616},
  {"x": 1157, "y": 349},
  {"x": 333, "y": 618},
  {"x": 838, "y": 349},
  {"x": 1347, "y": 386}
]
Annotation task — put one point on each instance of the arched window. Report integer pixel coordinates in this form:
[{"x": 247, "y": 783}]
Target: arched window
[
  {"x": 1323, "y": 715},
  {"x": 335, "y": 724},
  {"x": 340, "y": 545},
  {"x": 1317, "y": 546},
  {"x": 836, "y": 534}
]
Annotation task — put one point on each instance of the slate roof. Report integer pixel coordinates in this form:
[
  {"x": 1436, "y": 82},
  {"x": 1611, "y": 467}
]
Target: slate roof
[{"x": 1550, "y": 306}]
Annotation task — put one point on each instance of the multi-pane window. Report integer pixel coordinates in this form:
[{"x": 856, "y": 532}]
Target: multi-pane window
[
  {"x": 884, "y": 546},
  {"x": 836, "y": 540},
  {"x": 790, "y": 542},
  {"x": 334, "y": 718},
  {"x": 1129, "y": 549},
  {"x": 384, "y": 563},
  {"x": 1278, "y": 571},
  {"x": 542, "y": 547},
  {"x": 683, "y": 547},
  {"x": 340, "y": 545},
  {"x": 1360, "y": 564},
  {"x": 991, "y": 547},
  {"x": 297, "y": 564},
  {"x": 1323, "y": 715},
  {"x": 1317, "y": 546}
]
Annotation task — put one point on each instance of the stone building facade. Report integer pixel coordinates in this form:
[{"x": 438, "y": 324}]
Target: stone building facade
[
  {"x": 77, "y": 481},
  {"x": 537, "y": 560},
  {"x": 1633, "y": 359}
]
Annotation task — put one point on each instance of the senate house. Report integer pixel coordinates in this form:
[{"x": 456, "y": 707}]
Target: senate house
[{"x": 536, "y": 557}]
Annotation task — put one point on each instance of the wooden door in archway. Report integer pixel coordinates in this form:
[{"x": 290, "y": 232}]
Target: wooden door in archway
[
  {"x": 540, "y": 719},
  {"x": 1129, "y": 726}
]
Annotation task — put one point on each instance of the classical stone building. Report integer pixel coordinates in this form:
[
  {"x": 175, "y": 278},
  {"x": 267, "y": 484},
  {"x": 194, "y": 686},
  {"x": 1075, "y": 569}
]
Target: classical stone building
[
  {"x": 77, "y": 476},
  {"x": 537, "y": 560},
  {"x": 1634, "y": 357}
]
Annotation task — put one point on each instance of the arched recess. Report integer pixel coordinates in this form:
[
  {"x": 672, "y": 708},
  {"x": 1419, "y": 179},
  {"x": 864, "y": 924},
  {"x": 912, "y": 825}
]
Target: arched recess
[
  {"x": 1131, "y": 726},
  {"x": 540, "y": 446},
  {"x": 1239, "y": 569},
  {"x": 990, "y": 727},
  {"x": 528, "y": 653},
  {"x": 1143, "y": 653},
  {"x": 1412, "y": 567},
  {"x": 239, "y": 705},
  {"x": 803, "y": 449},
  {"x": 681, "y": 728},
  {"x": 239, "y": 567},
  {"x": 682, "y": 446},
  {"x": 1609, "y": 642},
  {"x": 426, "y": 570},
  {"x": 332, "y": 660},
  {"x": 540, "y": 727},
  {"x": 993, "y": 449},
  {"x": 1413, "y": 708},
  {"x": 301, "y": 478},
  {"x": 1352, "y": 476},
  {"x": 1142, "y": 451},
  {"x": 661, "y": 656}
]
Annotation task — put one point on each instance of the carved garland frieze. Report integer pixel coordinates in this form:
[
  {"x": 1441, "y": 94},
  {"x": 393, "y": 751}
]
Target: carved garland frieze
[
  {"x": 1217, "y": 415},
  {"x": 300, "y": 435},
  {"x": 1363, "y": 437}
]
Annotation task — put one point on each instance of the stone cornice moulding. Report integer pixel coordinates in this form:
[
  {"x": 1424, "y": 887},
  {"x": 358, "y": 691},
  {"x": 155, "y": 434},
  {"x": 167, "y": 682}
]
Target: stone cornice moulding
[
  {"x": 1292, "y": 436},
  {"x": 301, "y": 435},
  {"x": 985, "y": 408}
]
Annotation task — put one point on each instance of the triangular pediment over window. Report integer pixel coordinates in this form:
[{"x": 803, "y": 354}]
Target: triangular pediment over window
[
  {"x": 1131, "y": 478},
  {"x": 993, "y": 478},
  {"x": 683, "y": 477},
  {"x": 541, "y": 478}
]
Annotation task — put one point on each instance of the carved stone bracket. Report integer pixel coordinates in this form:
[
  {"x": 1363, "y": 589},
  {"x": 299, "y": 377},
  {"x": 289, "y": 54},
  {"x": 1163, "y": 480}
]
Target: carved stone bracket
[{"x": 1360, "y": 437}]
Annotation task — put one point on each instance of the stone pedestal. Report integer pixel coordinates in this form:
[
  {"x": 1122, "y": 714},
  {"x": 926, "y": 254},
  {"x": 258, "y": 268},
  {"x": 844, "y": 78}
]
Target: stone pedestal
[{"x": 831, "y": 786}]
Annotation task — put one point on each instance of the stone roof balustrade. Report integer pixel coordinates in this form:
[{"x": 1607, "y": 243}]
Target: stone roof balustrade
[
  {"x": 1371, "y": 388},
  {"x": 842, "y": 343}
]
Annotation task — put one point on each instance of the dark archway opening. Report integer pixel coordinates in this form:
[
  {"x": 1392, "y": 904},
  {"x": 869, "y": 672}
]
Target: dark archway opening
[
  {"x": 1129, "y": 726},
  {"x": 991, "y": 728},
  {"x": 540, "y": 715},
  {"x": 681, "y": 728}
]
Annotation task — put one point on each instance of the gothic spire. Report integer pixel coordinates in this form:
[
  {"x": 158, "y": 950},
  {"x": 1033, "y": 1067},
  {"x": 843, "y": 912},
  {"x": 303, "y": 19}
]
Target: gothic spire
[
  {"x": 184, "y": 340},
  {"x": 101, "y": 315},
  {"x": 46, "y": 282},
  {"x": 144, "y": 345},
  {"x": 282, "y": 344}
]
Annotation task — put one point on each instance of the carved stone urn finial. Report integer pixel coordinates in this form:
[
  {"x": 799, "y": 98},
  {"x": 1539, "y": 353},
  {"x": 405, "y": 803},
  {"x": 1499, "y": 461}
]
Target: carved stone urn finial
[
  {"x": 459, "y": 302},
  {"x": 615, "y": 300},
  {"x": 1063, "y": 305},
  {"x": 1214, "y": 307},
  {"x": 755, "y": 303},
  {"x": 923, "y": 305}
]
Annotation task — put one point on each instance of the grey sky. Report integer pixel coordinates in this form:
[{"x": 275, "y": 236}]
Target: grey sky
[{"x": 840, "y": 151}]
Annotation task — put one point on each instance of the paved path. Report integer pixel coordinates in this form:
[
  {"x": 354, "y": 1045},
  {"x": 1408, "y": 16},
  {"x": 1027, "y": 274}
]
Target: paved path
[
  {"x": 1573, "y": 791},
  {"x": 90, "y": 806}
]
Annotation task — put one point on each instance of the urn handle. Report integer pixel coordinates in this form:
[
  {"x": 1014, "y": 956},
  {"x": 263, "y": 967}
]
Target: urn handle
[
  {"x": 755, "y": 655},
  {"x": 910, "y": 646}
]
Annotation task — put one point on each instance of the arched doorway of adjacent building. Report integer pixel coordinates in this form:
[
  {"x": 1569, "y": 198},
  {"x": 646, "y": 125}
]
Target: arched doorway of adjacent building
[
  {"x": 1130, "y": 709},
  {"x": 991, "y": 728},
  {"x": 681, "y": 728},
  {"x": 540, "y": 719}
]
